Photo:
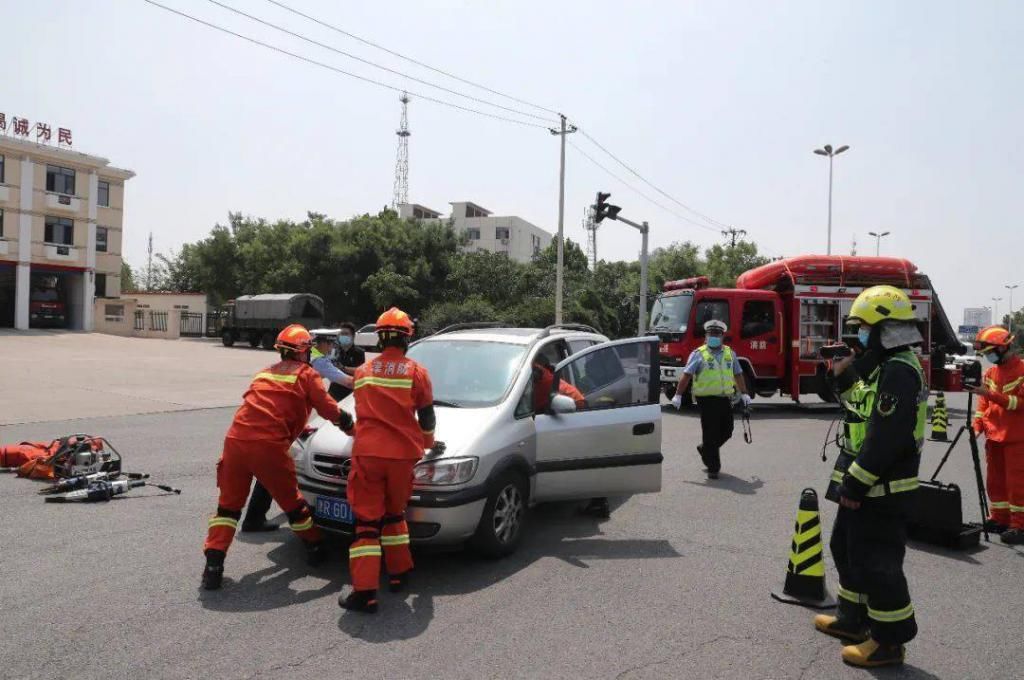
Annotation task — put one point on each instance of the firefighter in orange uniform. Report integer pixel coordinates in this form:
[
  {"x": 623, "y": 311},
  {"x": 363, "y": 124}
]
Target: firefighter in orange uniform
[
  {"x": 394, "y": 424},
  {"x": 273, "y": 413},
  {"x": 1000, "y": 417}
]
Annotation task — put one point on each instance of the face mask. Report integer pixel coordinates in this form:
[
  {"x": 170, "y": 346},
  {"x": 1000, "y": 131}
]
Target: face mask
[
  {"x": 714, "y": 342},
  {"x": 345, "y": 341},
  {"x": 993, "y": 357},
  {"x": 863, "y": 336}
]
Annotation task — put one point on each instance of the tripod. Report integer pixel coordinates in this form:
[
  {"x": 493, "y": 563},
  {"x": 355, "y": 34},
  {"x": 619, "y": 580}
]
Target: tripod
[{"x": 978, "y": 477}]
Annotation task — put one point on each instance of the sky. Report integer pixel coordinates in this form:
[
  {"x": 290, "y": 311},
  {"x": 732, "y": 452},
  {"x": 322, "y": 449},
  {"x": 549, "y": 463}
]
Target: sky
[{"x": 717, "y": 104}]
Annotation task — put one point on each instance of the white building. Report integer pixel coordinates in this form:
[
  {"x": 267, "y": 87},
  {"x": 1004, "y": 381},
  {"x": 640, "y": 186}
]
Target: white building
[
  {"x": 511, "y": 235},
  {"x": 977, "y": 316}
]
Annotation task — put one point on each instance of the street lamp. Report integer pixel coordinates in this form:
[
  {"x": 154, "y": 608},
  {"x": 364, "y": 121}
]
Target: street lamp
[
  {"x": 1010, "y": 288},
  {"x": 827, "y": 151},
  {"x": 995, "y": 310},
  {"x": 878, "y": 240}
]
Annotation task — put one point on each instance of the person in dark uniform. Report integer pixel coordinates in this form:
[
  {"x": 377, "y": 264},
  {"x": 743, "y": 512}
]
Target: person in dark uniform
[
  {"x": 348, "y": 360},
  {"x": 876, "y": 492}
]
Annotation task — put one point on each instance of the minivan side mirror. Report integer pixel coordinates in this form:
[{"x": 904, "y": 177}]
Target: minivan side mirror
[{"x": 561, "y": 404}]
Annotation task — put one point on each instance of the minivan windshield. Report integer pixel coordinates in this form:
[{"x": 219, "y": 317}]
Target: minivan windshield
[
  {"x": 671, "y": 313},
  {"x": 468, "y": 373}
]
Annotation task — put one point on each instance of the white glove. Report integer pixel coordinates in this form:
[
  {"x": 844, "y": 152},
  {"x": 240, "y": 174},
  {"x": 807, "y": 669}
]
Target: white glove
[
  {"x": 677, "y": 402},
  {"x": 747, "y": 400}
]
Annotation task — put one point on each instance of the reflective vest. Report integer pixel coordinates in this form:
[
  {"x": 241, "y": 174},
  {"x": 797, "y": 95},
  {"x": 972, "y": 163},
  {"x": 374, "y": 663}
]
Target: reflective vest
[{"x": 715, "y": 379}]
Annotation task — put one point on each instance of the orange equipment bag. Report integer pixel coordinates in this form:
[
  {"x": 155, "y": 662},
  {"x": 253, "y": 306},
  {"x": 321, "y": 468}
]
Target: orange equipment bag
[
  {"x": 64, "y": 457},
  {"x": 16, "y": 455}
]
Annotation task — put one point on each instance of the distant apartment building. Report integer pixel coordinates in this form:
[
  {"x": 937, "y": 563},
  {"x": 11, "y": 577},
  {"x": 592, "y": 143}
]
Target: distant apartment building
[
  {"x": 977, "y": 316},
  {"x": 513, "y": 236},
  {"x": 61, "y": 221}
]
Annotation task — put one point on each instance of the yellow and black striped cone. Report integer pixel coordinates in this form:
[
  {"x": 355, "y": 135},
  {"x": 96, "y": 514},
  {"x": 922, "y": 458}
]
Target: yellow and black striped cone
[
  {"x": 940, "y": 419},
  {"x": 805, "y": 575}
]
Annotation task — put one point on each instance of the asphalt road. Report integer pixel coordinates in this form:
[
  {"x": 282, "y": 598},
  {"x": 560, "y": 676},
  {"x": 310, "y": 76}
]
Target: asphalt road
[{"x": 673, "y": 585}]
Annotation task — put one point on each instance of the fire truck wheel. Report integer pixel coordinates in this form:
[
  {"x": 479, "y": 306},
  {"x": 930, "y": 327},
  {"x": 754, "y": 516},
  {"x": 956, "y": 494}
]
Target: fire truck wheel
[
  {"x": 254, "y": 340},
  {"x": 227, "y": 338}
]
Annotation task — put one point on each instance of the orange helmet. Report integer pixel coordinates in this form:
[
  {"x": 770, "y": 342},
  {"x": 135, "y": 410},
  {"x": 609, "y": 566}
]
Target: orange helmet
[
  {"x": 394, "y": 320},
  {"x": 993, "y": 337},
  {"x": 295, "y": 338}
]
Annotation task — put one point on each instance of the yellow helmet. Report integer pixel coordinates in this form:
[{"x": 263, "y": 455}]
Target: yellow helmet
[{"x": 881, "y": 303}]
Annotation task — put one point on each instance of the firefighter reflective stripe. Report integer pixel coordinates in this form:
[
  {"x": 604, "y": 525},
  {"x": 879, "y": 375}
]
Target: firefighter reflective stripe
[
  {"x": 1012, "y": 406},
  {"x": 715, "y": 378},
  {"x": 1016, "y": 508},
  {"x": 910, "y": 359},
  {"x": 1011, "y": 386},
  {"x": 399, "y": 539},
  {"x": 979, "y": 414},
  {"x": 862, "y": 475},
  {"x": 218, "y": 521},
  {"x": 393, "y": 383},
  {"x": 849, "y": 595},
  {"x": 277, "y": 377},
  {"x": 891, "y": 616},
  {"x": 999, "y": 505},
  {"x": 304, "y": 525},
  {"x": 805, "y": 556},
  {"x": 837, "y": 476},
  {"x": 991, "y": 384},
  {"x": 895, "y": 486},
  {"x": 364, "y": 551}
]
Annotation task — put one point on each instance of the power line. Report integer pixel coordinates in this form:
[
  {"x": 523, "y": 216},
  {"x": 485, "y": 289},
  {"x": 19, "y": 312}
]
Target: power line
[
  {"x": 373, "y": 64},
  {"x": 643, "y": 179},
  {"x": 410, "y": 59},
  {"x": 640, "y": 193},
  {"x": 342, "y": 71}
]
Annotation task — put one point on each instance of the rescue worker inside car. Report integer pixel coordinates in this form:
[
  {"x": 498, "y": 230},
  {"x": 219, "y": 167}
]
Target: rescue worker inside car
[
  {"x": 273, "y": 413},
  {"x": 395, "y": 423},
  {"x": 321, "y": 361},
  {"x": 717, "y": 378},
  {"x": 999, "y": 415},
  {"x": 876, "y": 493}
]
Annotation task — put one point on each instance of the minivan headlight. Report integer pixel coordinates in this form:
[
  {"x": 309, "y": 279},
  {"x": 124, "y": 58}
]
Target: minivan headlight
[{"x": 445, "y": 472}]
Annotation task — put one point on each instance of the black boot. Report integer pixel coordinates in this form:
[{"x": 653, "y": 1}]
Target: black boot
[
  {"x": 213, "y": 574},
  {"x": 316, "y": 554},
  {"x": 398, "y": 582},
  {"x": 258, "y": 525},
  {"x": 1012, "y": 537},
  {"x": 994, "y": 527},
  {"x": 364, "y": 601}
]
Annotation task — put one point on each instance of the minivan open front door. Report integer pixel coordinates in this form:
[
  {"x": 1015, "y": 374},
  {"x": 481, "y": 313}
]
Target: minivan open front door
[{"x": 611, "y": 445}]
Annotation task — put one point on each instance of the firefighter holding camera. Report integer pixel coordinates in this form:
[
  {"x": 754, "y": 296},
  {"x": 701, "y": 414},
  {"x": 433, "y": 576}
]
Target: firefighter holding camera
[
  {"x": 876, "y": 491},
  {"x": 1000, "y": 417}
]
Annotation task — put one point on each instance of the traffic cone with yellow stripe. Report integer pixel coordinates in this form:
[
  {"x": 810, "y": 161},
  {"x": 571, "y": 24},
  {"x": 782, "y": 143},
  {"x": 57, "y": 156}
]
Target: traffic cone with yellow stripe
[
  {"x": 940, "y": 419},
  {"x": 805, "y": 575}
]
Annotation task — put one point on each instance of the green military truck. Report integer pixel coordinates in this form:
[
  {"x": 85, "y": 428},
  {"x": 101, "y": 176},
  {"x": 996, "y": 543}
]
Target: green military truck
[{"x": 259, "y": 318}]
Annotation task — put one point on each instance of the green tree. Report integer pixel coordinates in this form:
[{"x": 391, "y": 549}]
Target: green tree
[
  {"x": 127, "y": 278},
  {"x": 723, "y": 264}
]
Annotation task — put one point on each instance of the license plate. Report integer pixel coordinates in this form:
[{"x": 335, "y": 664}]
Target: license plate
[
  {"x": 333, "y": 509},
  {"x": 669, "y": 372}
]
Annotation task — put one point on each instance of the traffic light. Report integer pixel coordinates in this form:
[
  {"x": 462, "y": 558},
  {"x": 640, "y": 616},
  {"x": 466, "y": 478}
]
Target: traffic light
[{"x": 603, "y": 209}]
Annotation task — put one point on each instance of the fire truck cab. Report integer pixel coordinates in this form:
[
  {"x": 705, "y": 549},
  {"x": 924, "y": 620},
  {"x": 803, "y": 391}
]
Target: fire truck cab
[{"x": 780, "y": 315}]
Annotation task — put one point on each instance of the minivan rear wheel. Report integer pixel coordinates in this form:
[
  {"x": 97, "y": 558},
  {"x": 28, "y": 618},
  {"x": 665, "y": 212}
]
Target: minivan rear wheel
[{"x": 503, "y": 520}]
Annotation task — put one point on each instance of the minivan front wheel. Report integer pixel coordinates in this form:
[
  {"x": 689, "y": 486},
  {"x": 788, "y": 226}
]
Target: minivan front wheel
[{"x": 504, "y": 517}]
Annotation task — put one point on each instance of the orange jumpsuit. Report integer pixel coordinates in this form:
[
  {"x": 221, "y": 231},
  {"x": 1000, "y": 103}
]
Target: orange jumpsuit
[
  {"x": 389, "y": 392},
  {"x": 1001, "y": 418},
  {"x": 542, "y": 391},
  {"x": 273, "y": 413}
]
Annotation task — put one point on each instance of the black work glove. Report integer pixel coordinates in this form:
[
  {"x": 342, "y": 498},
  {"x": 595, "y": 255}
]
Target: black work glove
[
  {"x": 435, "y": 451},
  {"x": 345, "y": 422}
]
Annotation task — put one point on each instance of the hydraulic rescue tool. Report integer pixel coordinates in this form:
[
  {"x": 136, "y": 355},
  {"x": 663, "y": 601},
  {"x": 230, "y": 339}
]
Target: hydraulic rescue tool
[
  {"x": 83, "y": 481},
  {"x": 103, "y": 490}
]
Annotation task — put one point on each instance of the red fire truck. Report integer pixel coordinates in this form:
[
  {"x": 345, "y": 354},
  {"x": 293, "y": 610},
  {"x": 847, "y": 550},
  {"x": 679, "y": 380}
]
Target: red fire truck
[{"x": 780, "y": 315}]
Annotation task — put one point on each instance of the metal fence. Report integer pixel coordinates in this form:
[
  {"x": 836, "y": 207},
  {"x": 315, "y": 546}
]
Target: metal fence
[
  {"x": 158, "y": 321},
  {"x": 215, "y": 323},
  {"x": 140, "y": 320},
  {"x": 191, "y": 325}
]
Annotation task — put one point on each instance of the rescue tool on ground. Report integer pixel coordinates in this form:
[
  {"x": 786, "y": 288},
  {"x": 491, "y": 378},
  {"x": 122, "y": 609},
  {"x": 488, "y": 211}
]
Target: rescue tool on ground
[{"x": 103, "y": 490}]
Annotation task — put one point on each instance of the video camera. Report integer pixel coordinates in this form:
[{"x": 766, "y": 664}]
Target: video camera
[{"x": 835, "y": 351}]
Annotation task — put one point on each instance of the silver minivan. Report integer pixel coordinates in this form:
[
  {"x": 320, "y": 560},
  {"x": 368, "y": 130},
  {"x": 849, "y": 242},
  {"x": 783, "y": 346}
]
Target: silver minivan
[{"x": 502, "y": 455}]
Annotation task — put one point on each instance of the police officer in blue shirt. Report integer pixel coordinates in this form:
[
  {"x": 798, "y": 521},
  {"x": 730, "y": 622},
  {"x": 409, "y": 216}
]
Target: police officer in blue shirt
[{"x": 717, "y": 378}]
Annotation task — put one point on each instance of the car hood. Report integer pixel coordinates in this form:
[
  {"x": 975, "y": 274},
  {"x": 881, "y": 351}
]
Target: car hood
[{"x": 459, "y": 428}]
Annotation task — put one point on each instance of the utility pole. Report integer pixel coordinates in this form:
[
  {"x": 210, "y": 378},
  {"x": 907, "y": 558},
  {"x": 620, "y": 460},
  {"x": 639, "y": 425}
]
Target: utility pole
[
  {"x": 566, "y": 129},
  {"x": 603, "y": 209},
  {"x": 590, "y": 226},
  {"x": 732, "y": 233},
  {"x": 1009, "y": 325},
  {"x": 149, "y": 264},
  {"x": 401, "y": 188},
  {"x": 827, "y": 151}
]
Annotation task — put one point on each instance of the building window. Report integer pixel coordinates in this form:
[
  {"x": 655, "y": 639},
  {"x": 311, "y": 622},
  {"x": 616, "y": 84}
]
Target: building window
[
  {"x": 501, "y": 232},
  {"x": 60, "y": 180},
  {"x": 101, "y": 285},
  {"x": 60, "y": 231},
  {"x": 473, "y": 233},
  {"x": 101, "y": 239},
  {"x": 103, "y": 194},
  {"x": 1, "y": 169}
]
